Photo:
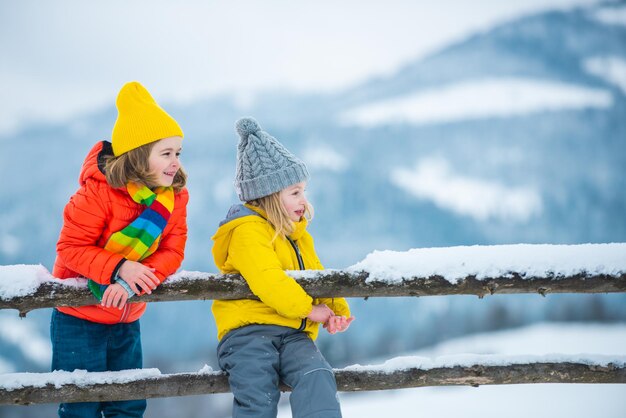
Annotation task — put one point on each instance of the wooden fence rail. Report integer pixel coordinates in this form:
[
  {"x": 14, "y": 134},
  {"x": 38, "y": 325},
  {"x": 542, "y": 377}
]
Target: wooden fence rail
[
  {"x": 47, "y": 388},
  {"x": 348, "y": 380},
  {"x": 328, "y": 283}
]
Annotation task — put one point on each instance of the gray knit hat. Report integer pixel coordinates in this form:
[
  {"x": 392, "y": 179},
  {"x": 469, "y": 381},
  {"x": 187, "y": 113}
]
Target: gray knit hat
[{"x": 264, "y": 166}]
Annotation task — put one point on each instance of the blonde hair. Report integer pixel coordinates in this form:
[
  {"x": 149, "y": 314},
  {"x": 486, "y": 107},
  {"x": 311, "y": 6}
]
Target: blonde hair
[
  {"x": 277, "y": 215},
  {"x": 134, "y": 166}
]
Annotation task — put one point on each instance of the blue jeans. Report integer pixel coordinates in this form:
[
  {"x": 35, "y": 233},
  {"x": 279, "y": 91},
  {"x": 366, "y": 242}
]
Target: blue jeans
[
  {"x": 85, "y": 345},
  {"x": 258, "y": 357}
]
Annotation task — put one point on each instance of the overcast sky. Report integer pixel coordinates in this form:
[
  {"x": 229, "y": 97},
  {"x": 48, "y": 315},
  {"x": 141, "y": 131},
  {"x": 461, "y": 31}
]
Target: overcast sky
[{"x": 62, "y": 58}]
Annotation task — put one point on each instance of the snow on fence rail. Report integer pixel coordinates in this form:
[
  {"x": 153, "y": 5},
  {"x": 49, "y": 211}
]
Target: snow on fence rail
[
  {"x": 506, "y": 269},
  {"x": 399, "y": 373},
  {"x": 475, "y": 270}
]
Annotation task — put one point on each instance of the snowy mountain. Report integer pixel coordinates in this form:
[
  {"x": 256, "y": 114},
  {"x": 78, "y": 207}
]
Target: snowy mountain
[{"x": 516, "y": 134}]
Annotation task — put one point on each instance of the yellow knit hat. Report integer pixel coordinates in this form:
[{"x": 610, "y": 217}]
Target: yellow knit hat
[{"x": 140, "y": 120}]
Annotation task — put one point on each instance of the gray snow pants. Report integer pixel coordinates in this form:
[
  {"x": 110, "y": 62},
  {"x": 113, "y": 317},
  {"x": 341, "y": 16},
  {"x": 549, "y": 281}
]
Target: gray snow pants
[{"x": 258, "y": 357}]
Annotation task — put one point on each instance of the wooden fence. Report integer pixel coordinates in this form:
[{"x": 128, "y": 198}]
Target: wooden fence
[{"x": 51, "y": 387}]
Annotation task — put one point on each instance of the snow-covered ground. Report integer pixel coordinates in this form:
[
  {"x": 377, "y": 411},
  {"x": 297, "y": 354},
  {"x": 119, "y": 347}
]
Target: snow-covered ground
[
  {"x": 521, "y": 401},
  {"x": 506, "y": 401}
]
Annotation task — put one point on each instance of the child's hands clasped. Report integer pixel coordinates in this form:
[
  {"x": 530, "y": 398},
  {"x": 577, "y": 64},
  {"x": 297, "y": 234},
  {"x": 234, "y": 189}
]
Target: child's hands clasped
[
  {"x": 114, "y": 296},
  {"x": 138, "y": 277},
  {"x": 337, "y": 323},
  {"x": 333, "y": 323}
]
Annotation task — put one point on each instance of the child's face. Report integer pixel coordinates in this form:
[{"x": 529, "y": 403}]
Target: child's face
[
  {"x": 294, "y": 200},
  {"x": 164, "y": 160}
]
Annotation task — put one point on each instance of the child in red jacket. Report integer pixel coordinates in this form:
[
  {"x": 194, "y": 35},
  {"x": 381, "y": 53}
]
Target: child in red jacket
[{"x": 125, "y": 231}]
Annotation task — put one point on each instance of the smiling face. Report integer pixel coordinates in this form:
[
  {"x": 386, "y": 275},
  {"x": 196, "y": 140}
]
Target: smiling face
[
  {"x": 164, "y": 160},
  {"x": 294, "y": 200}
]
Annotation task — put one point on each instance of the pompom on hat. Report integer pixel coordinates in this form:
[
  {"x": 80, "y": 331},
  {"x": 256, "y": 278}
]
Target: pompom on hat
[
  {"x": 264, "y": 166},
  {"x": 140, "y": 120}
]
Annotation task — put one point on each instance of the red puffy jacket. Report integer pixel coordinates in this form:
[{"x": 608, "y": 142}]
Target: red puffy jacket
[{"x": 92, "y": 215}]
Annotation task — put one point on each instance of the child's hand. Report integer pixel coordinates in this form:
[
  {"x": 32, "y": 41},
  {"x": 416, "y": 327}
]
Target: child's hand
[
  {"x": 337, "y": 324},
  {"x": 320, "y": 313},
  {"x": 139, "y": 277},
  {"x": 114, "y": 295}
]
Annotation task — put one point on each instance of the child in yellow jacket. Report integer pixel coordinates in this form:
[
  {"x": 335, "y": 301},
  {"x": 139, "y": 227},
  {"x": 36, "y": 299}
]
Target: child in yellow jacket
[{"x": 265, "y": 341}]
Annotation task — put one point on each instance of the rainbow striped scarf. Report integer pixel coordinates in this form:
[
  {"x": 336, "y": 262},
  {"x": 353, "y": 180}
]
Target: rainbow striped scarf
[{"x": 142, "y": 236}]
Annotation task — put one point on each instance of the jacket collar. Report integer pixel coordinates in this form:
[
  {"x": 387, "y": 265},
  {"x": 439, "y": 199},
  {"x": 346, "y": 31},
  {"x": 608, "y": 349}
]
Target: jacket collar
[{"x": 241, "y": 210}]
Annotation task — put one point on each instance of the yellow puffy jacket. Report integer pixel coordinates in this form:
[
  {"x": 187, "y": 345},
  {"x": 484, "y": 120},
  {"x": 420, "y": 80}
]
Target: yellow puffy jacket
[{"x": 243, "y": 244}]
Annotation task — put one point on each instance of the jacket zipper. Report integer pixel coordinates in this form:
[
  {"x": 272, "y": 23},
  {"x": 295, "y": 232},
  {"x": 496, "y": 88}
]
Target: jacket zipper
[
  {"x": 125, "y": 313},
  {"x": 297, "y": 250},
  {"x": 301, "y": 265}
]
